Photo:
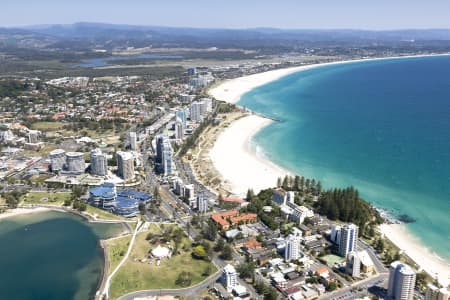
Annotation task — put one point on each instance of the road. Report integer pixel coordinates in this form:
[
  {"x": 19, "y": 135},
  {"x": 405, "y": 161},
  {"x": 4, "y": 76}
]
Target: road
[
  {"x": 130, "y": 247},
  {"x": 352, "y": 291},
  {"x": 379, "y": 266},
  {"x": 191, "y": 292}
]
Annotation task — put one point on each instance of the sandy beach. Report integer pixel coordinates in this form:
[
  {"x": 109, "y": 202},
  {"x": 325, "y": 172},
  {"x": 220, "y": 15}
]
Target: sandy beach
[
  {"x": 231, "y": 90},
  {"x": 423, "y": 256},
  {"x": 22, "y": 211},
  {"x": 239, "y": 164}
]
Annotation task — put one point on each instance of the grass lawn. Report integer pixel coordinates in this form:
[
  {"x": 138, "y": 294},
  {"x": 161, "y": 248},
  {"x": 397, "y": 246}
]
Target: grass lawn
[
  {"x": 331, "y": 259},
  {"x": 47, "y": 126},
  {"x": 102, "y": 214},
  {"x": 45, "y": 198},
  {"x": 116, "y": 249},
  {"x": 135, "y": 275}
]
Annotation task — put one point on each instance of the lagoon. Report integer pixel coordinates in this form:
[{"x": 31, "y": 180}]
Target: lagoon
[{"x": 51, "y": 255}]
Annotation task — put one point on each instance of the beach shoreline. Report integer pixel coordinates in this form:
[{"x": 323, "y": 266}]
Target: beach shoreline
[
  {"x": 255, "y": 171},
  {"x": 22, "y": 211},
  {"x": 242, "y": 167},
  {"x": 231, "y": 90}
]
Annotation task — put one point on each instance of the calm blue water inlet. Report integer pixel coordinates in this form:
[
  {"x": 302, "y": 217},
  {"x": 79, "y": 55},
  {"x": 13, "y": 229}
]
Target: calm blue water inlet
[
  {"x": 51, "y": 256},
  {"x": 381, "y": 126}
]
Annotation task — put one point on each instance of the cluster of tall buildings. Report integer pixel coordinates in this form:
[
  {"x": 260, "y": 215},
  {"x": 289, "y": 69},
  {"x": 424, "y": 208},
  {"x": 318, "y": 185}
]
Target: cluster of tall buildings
[
  {"x": 164, "y": 156},
  {"x": 70, "y": 162},
  {"x": 199, "y": 109}
]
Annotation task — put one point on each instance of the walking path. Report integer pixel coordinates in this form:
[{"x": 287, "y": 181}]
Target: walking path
[{"x": 130, "y": 247}]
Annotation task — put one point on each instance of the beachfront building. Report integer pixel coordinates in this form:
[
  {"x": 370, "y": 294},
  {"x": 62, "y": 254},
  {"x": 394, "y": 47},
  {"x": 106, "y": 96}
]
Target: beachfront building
[
  {"x": 348, "y": 239},
  {"x": 57, "y": 160},
  {"x": 195, "y": 111},
  {"x": 125, "y": 165},
  {"x": 402, "y": 280},
  {"x": 99, "y": 163},
  {"x": 435, "y": 293},
  {"x": 75, "y": 162},
  {"x": 229, "y": 277},
  {"x": 206, "y": 105},
  {"x": 121, "y": 202},
  {"x": 292, "y": 250}
]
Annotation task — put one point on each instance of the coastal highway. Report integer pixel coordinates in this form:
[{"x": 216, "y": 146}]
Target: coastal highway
[{"x": 379, "y": 266}]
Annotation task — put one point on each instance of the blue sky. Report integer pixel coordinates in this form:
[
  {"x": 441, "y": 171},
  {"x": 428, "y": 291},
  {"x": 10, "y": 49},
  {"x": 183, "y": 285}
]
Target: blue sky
[{"x": 357, "y": 14}]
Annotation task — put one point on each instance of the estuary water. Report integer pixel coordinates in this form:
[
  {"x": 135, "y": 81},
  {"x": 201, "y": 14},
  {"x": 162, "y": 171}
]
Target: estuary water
[
  {"x": 51, "y": 255},
  {"x": 382, "y": 126}
]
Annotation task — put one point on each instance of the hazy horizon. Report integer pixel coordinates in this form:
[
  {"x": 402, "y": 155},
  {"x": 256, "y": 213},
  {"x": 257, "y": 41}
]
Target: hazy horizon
[{"x": 351, "y": 14}]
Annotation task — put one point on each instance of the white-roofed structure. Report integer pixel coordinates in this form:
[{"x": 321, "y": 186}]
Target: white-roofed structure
[{"x": 160, "y": 252}]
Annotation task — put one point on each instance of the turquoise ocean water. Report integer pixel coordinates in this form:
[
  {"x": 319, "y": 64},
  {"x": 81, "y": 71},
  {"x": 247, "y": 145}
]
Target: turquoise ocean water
[
  {"x": 50, "y": 256},
  {"x": 382, "y": 126}
]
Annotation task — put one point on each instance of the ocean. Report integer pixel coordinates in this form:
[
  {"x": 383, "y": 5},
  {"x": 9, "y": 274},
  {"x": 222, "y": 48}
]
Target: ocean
[
  {"x": 382, "y": 126},
  {"x": 51, "y": 255}
]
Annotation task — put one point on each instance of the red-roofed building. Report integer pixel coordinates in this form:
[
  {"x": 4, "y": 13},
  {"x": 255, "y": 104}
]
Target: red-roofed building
[
  {"x": 323, "y": 272},
  {"x": 231, "y": 199},
  {"x": 232, "y": 218}
]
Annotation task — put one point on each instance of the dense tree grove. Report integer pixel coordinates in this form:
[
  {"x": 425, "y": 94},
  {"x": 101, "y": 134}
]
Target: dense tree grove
[
  {"x": 300, "y": 184},
  {"x": 11, "y": 88},
  {"x": 346, "y": 205},
  {"x": 257, "y": 202}
]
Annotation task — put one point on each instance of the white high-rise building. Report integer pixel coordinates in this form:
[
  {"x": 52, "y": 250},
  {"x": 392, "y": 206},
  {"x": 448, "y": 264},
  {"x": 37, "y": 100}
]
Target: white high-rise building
[
  {"x": 188, "y": 192},
  {"x": 335, "y": 235},
  {"x": 435, "y": 293},
  {"x": 292, "y": 250},
  {"x": 99, "y": 163},
  {"x": 353, "y": 264},
  {"x": 206, "y": 105},
  {"x": 125, "y": 165},
  {"x": 402, "y": 280},
  {"x": 229, "y": 276},
  {"x": 132, "y": 139},
  {"x": 167, "y": 158},
  {"x": 164, "y": 156},
  {"x": 202, "y": 204},
  {"x": 75, "y": 162},
  {"x": 179, "y": 130},
  {"x": 181, "y": 115},
  {"x": 33, "y": 136},
  {"x": 57, "y": 159},
  {"x": 348, "y": 239},
  {"x": 195, "y": 111}
]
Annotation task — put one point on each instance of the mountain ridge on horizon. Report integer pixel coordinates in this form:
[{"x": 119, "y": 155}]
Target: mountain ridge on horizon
[{"x": 83, "y": 29}]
